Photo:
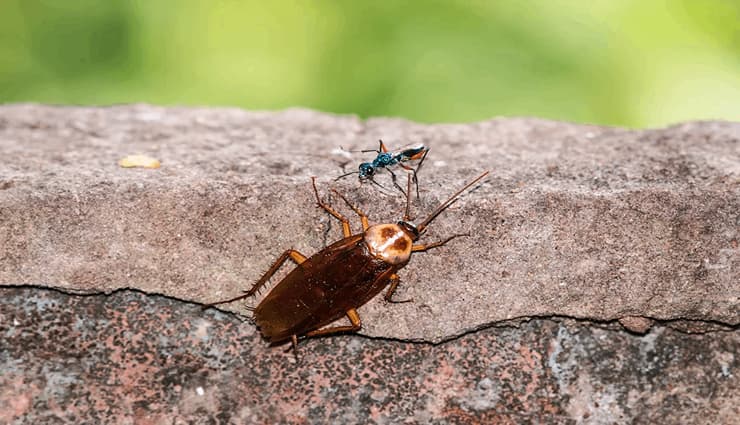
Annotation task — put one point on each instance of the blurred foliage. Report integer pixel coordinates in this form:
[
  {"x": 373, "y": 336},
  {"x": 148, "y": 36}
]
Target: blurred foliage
[{"x": 622, "y": 62}]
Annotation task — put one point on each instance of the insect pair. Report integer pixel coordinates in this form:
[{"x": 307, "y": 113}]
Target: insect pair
[
  {"x": 388, "y": 159},
  {"x": 340, "y": 278}
]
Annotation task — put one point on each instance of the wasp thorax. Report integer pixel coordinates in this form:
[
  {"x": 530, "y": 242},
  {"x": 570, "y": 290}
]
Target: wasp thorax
[{"x": 388, "y": 242}]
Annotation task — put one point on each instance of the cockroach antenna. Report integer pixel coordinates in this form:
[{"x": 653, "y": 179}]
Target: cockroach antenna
[{"x": 448, "y": 202}]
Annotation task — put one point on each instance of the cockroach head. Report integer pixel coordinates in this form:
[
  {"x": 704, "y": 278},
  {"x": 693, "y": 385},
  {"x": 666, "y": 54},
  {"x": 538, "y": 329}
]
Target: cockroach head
[{"x": 410, "y": 229}]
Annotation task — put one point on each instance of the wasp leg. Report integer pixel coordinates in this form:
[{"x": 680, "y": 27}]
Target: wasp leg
[
  {"x": 395, "y": 280},
  {"x": 414, "y": 171},
  {"x": 345, "y": 222},
  {"x": 414, "y": 179},
  {"x": 363, "y": 216},
  {"x": 373, "y": 181},
  {"x": 290, "y": 253},
  {"x": 395, "y": 182},
  {"x": 382, "y": 148},
  {"x": 353, "y": 317},
  {"x": 417, "y": 248}
]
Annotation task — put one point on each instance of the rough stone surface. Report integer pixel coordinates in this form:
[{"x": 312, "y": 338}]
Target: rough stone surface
[
  {"x": 133, "y": 358},
  {"x": 578, "y": 221},
  {"x": 638, "y": 325}
]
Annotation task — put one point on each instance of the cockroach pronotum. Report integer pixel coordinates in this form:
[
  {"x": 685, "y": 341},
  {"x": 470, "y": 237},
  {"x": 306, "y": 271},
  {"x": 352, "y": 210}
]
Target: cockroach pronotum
[{"x": 340, "y": 278}]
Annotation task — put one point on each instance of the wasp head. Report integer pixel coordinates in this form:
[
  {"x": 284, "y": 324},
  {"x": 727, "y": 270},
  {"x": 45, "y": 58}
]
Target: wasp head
[{"x": 366, "y": 170}]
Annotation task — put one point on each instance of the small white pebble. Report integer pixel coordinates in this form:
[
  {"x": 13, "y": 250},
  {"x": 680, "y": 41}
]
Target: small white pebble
[
  {"x": 16, "y": 322},
  {"x": 200, "y": 391}
]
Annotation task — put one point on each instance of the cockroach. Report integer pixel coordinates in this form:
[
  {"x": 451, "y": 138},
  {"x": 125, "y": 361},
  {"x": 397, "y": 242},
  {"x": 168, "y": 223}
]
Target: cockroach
[
  {"x": 386, "y": 159},
  {"x": 340, "y": 278}
]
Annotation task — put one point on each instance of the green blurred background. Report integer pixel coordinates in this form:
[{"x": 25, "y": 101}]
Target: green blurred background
[{"x": 621, "y": 62}]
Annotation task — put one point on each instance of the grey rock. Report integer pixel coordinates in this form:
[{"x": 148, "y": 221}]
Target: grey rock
[{"x": 580, "y": 221}]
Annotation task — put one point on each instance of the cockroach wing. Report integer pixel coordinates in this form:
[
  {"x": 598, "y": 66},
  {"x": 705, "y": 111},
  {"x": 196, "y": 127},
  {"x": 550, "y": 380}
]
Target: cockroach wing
[{"x": 321, "y": 289}]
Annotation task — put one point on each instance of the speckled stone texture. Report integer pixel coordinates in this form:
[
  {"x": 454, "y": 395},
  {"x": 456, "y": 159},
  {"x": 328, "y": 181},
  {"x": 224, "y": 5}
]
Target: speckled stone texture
[
  {"x": 129, "y": 358},
  {"x": 579, "y": 221}
]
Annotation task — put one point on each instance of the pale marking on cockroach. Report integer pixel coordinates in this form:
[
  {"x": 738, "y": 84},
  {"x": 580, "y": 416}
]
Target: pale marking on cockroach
[{"x": 388, "y": 242}]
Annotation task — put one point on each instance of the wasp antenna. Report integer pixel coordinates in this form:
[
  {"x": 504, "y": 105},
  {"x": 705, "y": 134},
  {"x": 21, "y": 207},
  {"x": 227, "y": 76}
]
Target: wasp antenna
[
  {"x": 346, "y": 174},
  {"x": 448, "y": 202}
]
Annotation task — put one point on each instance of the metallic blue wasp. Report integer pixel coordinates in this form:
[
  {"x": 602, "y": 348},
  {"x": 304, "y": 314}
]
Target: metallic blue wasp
[{"x": 388, "y": 159}]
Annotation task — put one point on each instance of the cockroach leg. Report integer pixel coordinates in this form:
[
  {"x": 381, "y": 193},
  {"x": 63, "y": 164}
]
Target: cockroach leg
[
  {"x": 293, "y": 345},
  {"x": 363, "y": 216},
  {"x": 424, "y": 247},
  {"x": 353, "y": 317},
  {"x": 345, "y": 222},
  {"x": 290, "y": 253},
  {"x": 395, "y": 280},
  {"x": 407, "y": 211}
]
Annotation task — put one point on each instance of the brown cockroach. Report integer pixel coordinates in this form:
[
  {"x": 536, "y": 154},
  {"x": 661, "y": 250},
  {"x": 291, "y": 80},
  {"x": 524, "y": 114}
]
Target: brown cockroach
[{"x": 340, "y": 278}]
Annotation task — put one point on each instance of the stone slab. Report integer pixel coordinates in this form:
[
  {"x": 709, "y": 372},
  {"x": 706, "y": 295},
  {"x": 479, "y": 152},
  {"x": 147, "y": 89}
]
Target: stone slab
[{"x": 578, "y": 221}]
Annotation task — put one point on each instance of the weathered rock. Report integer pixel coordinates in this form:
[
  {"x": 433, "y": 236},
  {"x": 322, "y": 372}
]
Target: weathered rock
[
  {"x": 635, "y": 324},
  {"x": 580, "y": 221},
  {"x": 132, "y": 358}
]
